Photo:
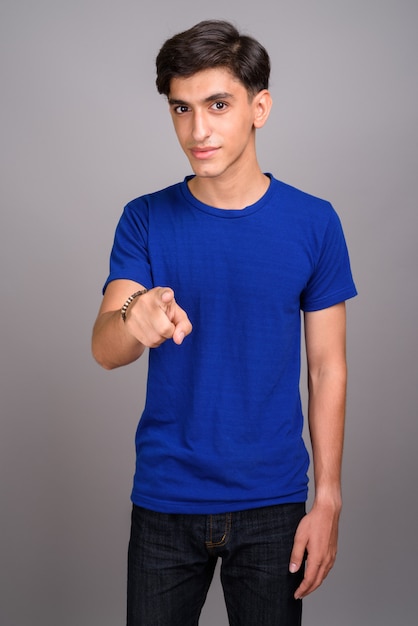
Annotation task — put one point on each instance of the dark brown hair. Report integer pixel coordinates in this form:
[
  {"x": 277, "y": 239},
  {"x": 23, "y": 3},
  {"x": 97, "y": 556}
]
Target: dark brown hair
[{"x": 209, "y": 44}]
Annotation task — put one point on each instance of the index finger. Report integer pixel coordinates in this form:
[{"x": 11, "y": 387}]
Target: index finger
[{"x": 314, "y": 575}]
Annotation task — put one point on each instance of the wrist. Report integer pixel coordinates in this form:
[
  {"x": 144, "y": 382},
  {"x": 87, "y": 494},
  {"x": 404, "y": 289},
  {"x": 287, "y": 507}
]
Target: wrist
[
  {"x": 128, "y": 302},
  {"x": 328, "y": 497}
]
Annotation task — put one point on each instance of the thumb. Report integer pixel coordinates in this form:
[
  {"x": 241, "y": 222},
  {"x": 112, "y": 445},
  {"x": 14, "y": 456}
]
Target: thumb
[
  {"x": 182, "y": 324},
  {"x": 294, "y": 565},
  {"x": 298, "y": 554},
  {"x": 178, "y": 335}
]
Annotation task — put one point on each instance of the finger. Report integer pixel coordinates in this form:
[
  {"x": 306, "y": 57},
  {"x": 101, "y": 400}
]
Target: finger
[
  {"x": 166, "y": 297},
  {"x": 183, "y": 326},
  {"x": 297, "y": 555},
  {"x": 315, "y": 574},
  {"x": 179, "y": 325},
  {"x": 181, "y": 331},
  {"x": 311, "y": 581},
  {"x": 160, "y": 319},
  {"x": 178, "y": 336},
  {"x": 158, "y": 330}
]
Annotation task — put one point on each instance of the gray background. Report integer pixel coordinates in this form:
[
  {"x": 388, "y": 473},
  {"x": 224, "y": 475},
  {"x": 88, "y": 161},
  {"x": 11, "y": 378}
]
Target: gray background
[{"x": 82, "y": 132}]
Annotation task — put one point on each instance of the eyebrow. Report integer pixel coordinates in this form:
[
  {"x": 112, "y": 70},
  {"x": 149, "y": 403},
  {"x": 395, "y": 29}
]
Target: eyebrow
[{"x": 224, "y": 95}]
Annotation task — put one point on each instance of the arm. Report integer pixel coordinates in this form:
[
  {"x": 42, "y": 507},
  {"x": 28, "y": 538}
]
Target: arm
[
  {"x": 151, "y": 319},
  {"x": 327, "y": 375}
]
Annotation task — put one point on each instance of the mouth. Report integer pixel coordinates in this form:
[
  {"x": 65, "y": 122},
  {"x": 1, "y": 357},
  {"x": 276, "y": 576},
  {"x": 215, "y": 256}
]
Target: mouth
[{"x": 203, "y": 153}]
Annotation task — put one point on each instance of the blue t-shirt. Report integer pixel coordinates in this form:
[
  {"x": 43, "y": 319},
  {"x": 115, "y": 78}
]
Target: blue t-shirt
[{"x": 222, "y": 425}]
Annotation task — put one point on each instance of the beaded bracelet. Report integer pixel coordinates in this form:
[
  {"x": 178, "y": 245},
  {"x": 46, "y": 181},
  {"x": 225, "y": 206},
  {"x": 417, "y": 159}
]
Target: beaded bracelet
[{"x": 129, "y": 300}]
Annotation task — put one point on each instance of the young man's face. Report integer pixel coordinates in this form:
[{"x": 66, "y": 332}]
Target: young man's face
[{"x": 214, "y": 119}]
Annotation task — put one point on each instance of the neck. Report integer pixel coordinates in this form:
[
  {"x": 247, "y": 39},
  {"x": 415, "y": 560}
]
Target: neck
[{"x": 234, "y": 192}]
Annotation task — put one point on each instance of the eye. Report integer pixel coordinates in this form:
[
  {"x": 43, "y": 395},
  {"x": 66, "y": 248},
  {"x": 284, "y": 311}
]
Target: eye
[
  {"x": 181, "y": 108},
  {"x": 219, "y": 106}
]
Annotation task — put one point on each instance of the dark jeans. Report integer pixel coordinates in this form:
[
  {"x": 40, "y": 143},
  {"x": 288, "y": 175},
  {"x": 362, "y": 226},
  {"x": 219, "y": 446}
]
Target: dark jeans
[{"x": 172, "y": 558}]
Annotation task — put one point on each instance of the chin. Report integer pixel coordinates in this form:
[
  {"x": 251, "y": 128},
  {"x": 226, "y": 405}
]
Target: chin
[{"x": 206, "y": 172}]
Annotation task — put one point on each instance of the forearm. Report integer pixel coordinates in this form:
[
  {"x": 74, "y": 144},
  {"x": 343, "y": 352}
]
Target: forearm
[
  {"x": 326, "y": 415},
  {"x": 317, "y": 534},
  {"x": 150, "y": 320},
  {"x": 112, "y": 344}
]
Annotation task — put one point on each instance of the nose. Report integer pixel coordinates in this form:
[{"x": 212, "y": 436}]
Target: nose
[{"x": 201, "y": 129}]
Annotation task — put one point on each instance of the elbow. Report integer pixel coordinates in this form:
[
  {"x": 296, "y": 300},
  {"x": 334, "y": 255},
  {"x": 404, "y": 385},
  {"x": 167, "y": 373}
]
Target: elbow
[
  {"x": 335, "y": 372},
  {"x": 101, "y": 355},
  {"x": 109, "y": 359},
  {"x": 105, "y": 365},
  {"x": 101, "y": 359}
]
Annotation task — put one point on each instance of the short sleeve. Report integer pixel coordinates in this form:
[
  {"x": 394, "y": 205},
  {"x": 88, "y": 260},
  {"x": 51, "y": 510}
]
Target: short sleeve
[
  {"x": 331, "y": 281},
  {"x": 129, "y": 257}
]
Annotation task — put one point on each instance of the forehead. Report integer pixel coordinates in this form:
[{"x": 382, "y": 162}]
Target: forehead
[{"x": 206, "y": 83}]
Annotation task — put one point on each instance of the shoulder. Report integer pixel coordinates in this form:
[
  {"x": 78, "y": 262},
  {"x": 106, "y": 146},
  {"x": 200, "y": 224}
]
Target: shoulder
[
  {"x": 299, "y": 198},
  {"x": 302, "y": 209},
  {"x": 137, "y": 212},
  {"x": 167, "y": 195}
]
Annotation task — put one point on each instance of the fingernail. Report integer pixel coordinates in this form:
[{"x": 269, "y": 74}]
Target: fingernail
[{"x": 293, "y": 568}]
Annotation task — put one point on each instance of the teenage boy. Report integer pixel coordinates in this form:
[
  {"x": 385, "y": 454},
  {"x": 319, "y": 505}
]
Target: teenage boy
[{"x": 212, "y": 274}]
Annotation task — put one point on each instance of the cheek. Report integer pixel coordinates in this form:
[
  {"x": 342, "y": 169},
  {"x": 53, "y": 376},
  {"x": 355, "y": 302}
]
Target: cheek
[
  {"x": 179, "y": 129},
  {"x": 238, "y": 137},
  {"x": 240, "y": 129}
]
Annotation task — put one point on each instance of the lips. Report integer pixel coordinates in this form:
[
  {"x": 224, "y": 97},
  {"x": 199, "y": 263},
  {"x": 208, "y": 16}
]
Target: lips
[{"x": 203, "y": 153}]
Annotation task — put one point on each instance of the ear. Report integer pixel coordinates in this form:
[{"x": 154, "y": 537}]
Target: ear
[{"x": 262, "y": 106}]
